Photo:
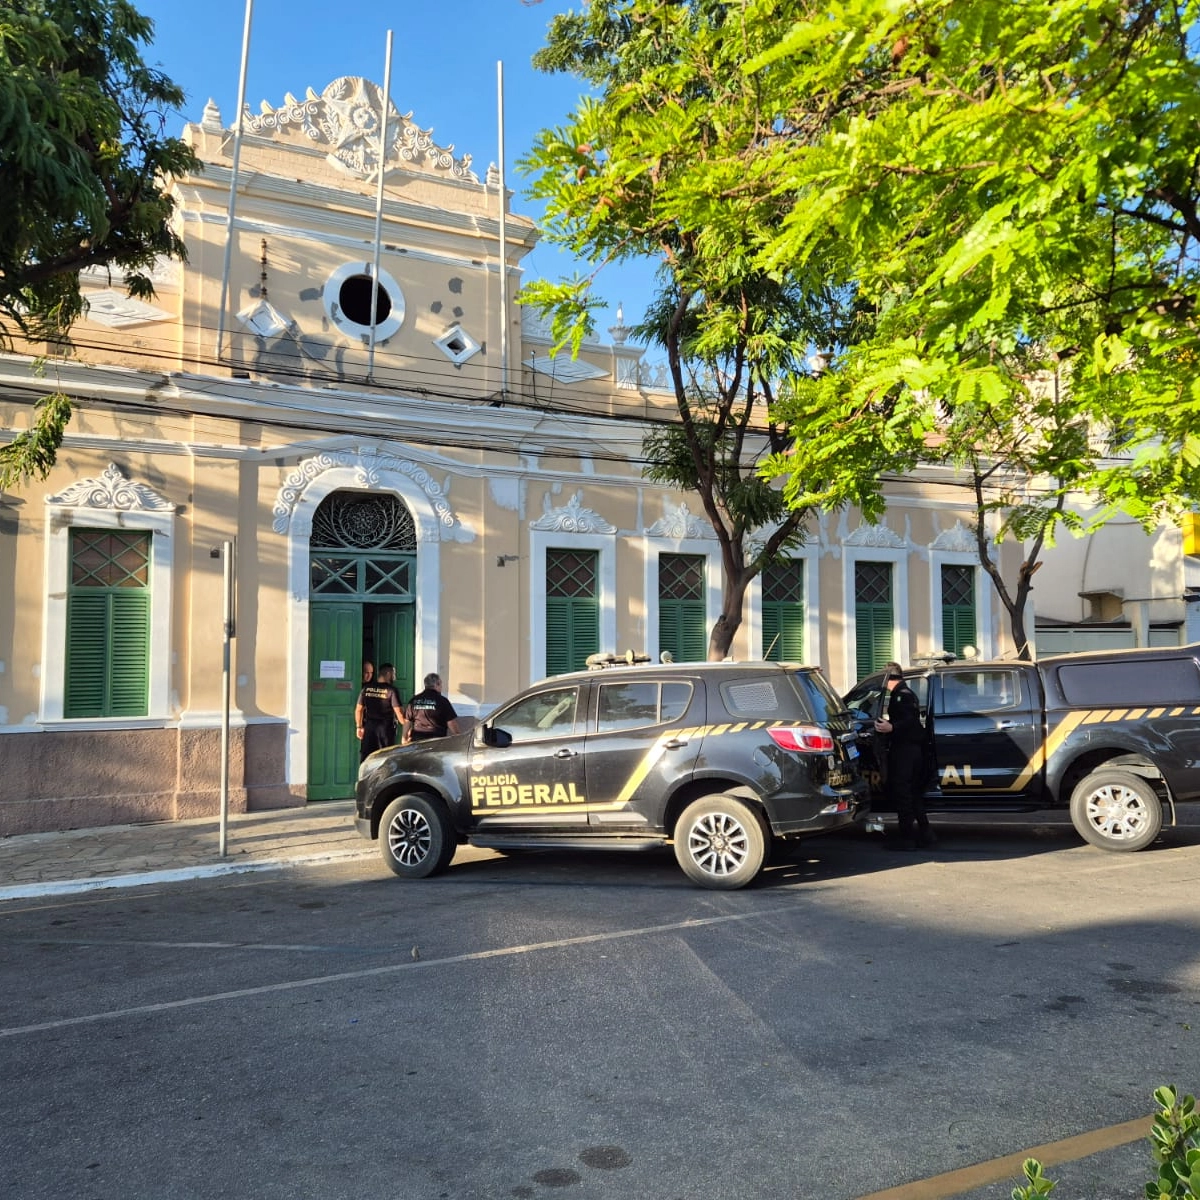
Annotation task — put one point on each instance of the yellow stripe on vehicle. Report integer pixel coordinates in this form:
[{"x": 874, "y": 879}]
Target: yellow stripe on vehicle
[
  {"x": 1049, "y": 744},
  {"x": 646, "y": 766},
  {"x": 1096, "y": 716}
]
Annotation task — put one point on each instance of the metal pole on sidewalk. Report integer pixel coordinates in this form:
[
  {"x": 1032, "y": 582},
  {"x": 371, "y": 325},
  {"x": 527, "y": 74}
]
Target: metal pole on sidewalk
[{"x": 229, "y": 634}]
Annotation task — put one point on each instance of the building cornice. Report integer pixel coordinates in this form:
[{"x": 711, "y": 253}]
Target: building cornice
[{"x": 332, "y": 204}]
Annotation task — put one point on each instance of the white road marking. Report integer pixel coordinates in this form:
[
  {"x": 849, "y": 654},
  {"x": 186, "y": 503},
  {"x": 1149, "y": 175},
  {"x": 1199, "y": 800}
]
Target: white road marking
[{"x": 422, "y": 964}]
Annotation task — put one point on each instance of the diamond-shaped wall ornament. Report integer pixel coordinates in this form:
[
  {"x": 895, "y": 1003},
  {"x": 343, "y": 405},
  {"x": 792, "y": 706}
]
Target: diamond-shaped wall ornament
[
  {"x": 457, "y": 344},
  {"x": 264, "y": 319},
  {"x": 567, "y": 370},
  {"x": 116, "y": 310}
]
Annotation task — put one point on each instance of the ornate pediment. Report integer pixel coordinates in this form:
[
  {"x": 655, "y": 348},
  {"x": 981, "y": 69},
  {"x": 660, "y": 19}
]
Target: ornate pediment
[
  {"x": 111, "y": 490},
  {"x": 572, "y": 517},
  {"x": 879, "y": 537},
  {"x": 347, "y": 118},
  {"x": 370, "y": 471},
  {"x": 959, "y": 540},
  {"x": 678, "y": 523}
]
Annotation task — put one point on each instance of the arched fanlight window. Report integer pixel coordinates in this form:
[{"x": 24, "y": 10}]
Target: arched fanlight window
[{"x": 363, "y": 521}]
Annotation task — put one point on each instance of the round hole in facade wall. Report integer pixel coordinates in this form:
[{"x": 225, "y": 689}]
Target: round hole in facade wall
[
  {"x": 347, "y": 302},
  {"x": 354, "y": 299}
]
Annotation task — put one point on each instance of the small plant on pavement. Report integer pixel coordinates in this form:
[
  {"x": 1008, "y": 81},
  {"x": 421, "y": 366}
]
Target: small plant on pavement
[
  {"x": 1174, "y": 1142},
  {"x": 1038, "y": 1184}
]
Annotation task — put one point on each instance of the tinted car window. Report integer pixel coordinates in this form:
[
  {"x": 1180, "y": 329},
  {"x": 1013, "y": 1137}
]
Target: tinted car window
[
  {"x": 633, "y": 705},
  {"x": 675, "y": 700},
  {"x": 872, "y": 697},
  {"x": 546, "y": 714},
  {"x": 1160, "y": 681},
  {"x": 979, "y": 692},
  {"x": 822, "y": 701}
]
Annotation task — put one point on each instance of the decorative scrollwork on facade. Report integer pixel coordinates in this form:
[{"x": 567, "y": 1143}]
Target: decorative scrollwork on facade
[
  {"x": 679, "y": 523},
  {"x": 346, "y": 117},
  {"x": 959, "y": 540},
  {"x": 112, "y": 490},
  {"x": 879, "y": 537},
  {"x": 370, "y": 471},
  {"x": 572, "y": 517}
]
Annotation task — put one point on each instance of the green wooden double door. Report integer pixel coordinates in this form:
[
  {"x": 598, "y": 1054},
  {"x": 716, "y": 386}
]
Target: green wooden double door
[{"x": 341, "y": 634}]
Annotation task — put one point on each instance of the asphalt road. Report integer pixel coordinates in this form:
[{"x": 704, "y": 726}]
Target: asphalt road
[{"x": 593, "y": 1026}]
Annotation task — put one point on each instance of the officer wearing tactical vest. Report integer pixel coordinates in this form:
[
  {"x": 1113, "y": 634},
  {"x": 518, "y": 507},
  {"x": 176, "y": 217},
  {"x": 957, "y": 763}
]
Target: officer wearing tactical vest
[
  {"x": 429, "y": 714},
  {"x": 905, "y": 761},
  {"x": 377, "y": 712}
]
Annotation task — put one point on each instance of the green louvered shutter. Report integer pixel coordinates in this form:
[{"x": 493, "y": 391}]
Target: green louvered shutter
[
  {"x": 129, "y": 654},
  {"x": 783, "y": 611},
  {"x": 107, "y": 667},
  {"x": 874, "y": 617},
  {"x": 681, "y": 613},
  {"x": 87, "y": 656},
  {"x": 572, "y": 609},
  {"x": 958, "y": 609}
]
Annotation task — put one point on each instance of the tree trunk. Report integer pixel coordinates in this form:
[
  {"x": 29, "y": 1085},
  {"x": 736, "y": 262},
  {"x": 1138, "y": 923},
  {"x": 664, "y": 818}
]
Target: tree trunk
[{"x": 733, "y": 599}]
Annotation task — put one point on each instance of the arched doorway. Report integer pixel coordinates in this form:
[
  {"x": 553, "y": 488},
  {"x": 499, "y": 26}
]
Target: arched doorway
[{"x": 362, "y": 589}]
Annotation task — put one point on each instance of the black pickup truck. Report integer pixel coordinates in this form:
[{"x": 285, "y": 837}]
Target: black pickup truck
[{"x": 1114, "y": 736}]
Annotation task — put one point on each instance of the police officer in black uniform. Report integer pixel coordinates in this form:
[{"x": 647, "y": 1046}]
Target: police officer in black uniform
[
  {"x": 429, "y": 714},
  {"x": 377, "y": 712},
  {"x": 905, "y": 761}
]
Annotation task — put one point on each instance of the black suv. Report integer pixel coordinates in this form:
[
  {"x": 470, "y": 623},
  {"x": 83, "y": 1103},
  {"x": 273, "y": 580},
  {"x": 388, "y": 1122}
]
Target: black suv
[
  {"x": 1111, "y": 735},
  {"x": 722, "y": 759}
]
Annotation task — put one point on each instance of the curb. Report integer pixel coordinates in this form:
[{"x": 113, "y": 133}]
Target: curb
[{"x": 68, "y": 887}]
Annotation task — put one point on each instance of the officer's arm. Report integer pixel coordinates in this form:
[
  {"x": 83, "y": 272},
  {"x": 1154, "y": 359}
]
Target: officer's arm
[{"x": 358, "y": 719}]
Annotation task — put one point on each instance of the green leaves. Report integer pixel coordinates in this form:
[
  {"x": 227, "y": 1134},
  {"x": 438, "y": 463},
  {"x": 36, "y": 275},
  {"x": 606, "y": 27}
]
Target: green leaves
[
  {"x": 31, "y": 454},
  {"x": 85, "y": 161}
]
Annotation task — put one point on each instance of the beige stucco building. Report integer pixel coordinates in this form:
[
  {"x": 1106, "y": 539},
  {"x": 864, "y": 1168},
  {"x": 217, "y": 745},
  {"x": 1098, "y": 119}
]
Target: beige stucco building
[{"x": 436, "y": 490}]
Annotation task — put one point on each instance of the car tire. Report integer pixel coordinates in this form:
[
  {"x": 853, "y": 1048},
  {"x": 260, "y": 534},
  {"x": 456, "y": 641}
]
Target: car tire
[
  {"x": 720, "y": 842},
  {"x": 1116, "y": 810},
  {"x": 416, "y": 837}
]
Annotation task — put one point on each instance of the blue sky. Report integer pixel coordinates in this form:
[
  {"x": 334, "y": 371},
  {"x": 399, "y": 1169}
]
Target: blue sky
[{"x": 444, "y": 59}]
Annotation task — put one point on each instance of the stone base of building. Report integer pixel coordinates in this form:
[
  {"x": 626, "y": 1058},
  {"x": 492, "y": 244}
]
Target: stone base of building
[{"x": 83, "y": 779}]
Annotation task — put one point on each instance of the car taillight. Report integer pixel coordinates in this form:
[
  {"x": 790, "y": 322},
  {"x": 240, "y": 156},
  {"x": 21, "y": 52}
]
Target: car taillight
[{"x": 808, "y": 739}]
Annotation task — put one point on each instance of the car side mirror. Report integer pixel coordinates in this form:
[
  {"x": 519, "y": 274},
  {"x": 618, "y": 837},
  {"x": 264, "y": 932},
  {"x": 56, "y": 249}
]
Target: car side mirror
[{"x": 498, "y": 738}]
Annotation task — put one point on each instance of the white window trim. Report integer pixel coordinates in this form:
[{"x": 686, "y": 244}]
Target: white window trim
[
  {"x": 711, "y": 552},
  {"x": 985, "y": 640},
  {"x": 61, "y": 520},
  {"x": 541, "y": 540},
  {"x": 901, "y": 644},
  {"x": 809, "y": 557}
]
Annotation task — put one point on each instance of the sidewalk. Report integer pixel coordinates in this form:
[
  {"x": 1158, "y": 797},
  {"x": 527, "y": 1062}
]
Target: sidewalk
[{"x": 81, "y": 860}]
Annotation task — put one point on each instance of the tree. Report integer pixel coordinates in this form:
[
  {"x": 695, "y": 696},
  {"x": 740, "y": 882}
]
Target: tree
[
  {"x": 1016, "y": 193},
  {"x": 85, "y": 168},
  {"x": 656, "y": 166}
]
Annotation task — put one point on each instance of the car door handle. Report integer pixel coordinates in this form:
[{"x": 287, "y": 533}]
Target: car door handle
[
  {"x": 675, "y": 744},
  {"x": 565, "y": 752}
]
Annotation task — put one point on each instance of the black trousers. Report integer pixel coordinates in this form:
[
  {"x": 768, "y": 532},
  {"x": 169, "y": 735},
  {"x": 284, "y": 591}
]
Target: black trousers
[
  {"x": 906, "y": 788},
  {"x": 376, "y": 735}
]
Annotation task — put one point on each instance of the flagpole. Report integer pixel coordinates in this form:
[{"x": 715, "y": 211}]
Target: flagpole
[
  {"x": 233, "y": 180},
  {"x": 383, "y": 152},
  {"x": 503, "y": 237}
]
